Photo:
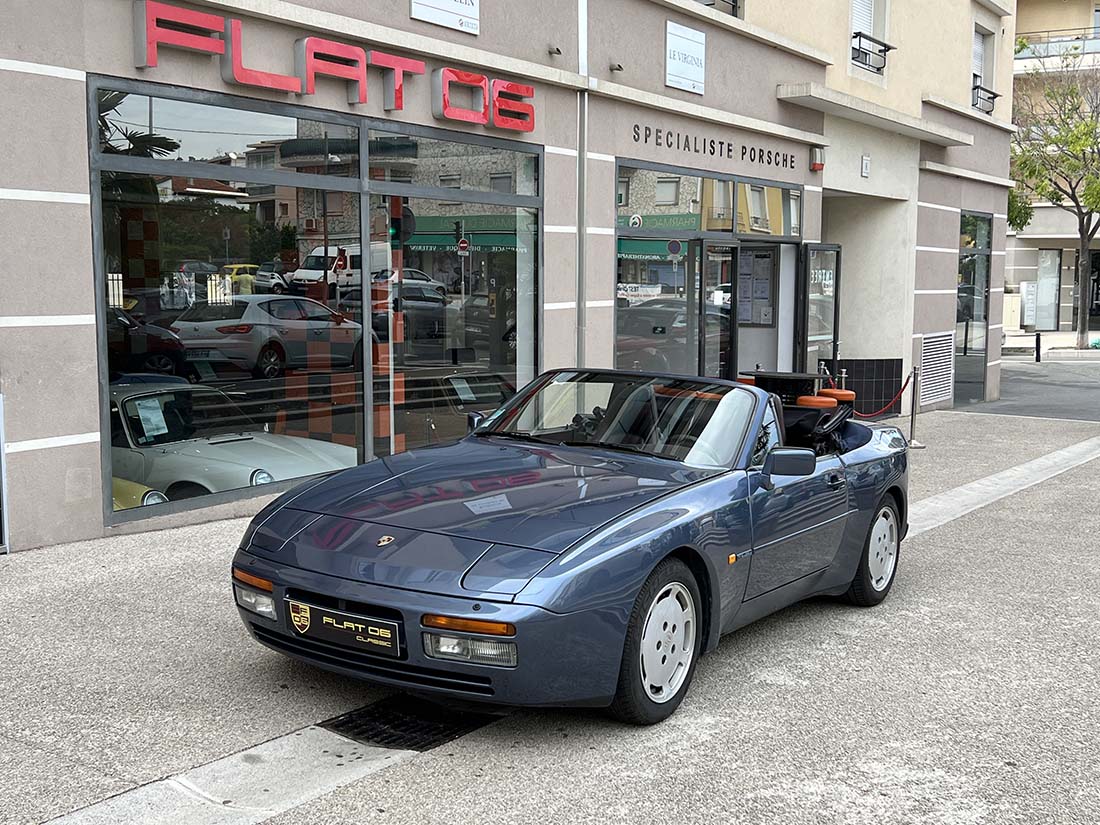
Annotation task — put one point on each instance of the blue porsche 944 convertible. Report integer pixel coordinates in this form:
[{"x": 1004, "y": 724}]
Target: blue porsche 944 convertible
[{"x": 583, "y": 545}]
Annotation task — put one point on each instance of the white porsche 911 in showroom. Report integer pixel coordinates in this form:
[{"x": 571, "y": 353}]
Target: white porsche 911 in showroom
[{"x": 190, "y": 440}]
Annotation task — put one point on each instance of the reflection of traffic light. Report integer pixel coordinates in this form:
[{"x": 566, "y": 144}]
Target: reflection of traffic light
[
  {"x": 395, "y": 229},
  {"x": 458, "y": 231}
]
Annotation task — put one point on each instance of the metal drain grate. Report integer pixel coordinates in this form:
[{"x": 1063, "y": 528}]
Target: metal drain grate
[{"x": 406, "y": 723}]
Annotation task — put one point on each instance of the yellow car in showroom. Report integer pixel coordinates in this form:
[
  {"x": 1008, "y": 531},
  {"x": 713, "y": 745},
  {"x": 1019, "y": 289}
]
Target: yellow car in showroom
[{"x": 128, "y": 494}]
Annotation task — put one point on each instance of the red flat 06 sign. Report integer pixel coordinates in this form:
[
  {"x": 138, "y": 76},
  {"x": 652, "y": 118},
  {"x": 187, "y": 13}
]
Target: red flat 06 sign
[{"x": 457, "y": 95}]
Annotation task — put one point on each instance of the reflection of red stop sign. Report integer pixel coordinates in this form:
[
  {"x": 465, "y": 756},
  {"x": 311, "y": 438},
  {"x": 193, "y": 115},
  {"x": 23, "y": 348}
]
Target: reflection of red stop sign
[
  {"x": 674, "y": 247},
  {"x": 463, "y": 245}
]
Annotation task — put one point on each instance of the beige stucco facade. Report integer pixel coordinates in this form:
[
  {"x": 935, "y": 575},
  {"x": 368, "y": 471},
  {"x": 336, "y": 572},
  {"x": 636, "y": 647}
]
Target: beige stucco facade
[{"x": 600, "y": 84}]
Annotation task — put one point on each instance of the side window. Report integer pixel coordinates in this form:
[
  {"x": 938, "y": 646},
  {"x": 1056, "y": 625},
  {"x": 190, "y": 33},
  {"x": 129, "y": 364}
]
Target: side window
[
  {"x": 285, "y": 310},
  {"x": 317, "y": 312},
  {"x": 767, "y": 438},
  {"x": 118, "y": 434}
]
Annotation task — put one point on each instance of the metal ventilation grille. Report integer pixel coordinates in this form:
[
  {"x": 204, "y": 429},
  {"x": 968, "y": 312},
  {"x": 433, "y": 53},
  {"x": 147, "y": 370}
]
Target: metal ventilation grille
[
  {"x": 400, "y": 721},
  {"x": 937, "y": 368}
]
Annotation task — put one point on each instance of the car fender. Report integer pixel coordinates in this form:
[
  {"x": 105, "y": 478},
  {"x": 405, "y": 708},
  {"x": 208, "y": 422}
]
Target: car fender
[
  {"x": 166, "y": 469},
  {"x": 707, "y": 522}
]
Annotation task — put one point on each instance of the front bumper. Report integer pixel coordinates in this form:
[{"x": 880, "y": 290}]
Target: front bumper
[{"x": 563, "y": 659}]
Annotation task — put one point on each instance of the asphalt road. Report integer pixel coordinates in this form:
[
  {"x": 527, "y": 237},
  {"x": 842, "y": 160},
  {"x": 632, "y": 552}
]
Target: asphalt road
[
  {"x": 968, "y": 697},
  {"x": 1052, "y": 389}
]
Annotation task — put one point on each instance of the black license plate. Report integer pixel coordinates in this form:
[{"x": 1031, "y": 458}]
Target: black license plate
[{"x": 347, "y": 629}]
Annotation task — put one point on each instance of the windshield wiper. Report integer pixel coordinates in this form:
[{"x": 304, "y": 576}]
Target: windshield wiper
[{"x": 515, "y": 437}]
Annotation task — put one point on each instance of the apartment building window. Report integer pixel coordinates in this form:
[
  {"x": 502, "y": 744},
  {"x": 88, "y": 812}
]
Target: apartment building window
[
  {"x": 734, "y": 7},
  {"x": 622, "y": 192},
  {"x": 501, "y": 183},
  {"x": 668, "y": 191},
  {"x": 983, "y": 98},
  {"x": 450, "y": 182},
  {"x": 758, "y": 208},
  {"x": 1096, "y": 20},
  {"x": 869, "y": 47}
]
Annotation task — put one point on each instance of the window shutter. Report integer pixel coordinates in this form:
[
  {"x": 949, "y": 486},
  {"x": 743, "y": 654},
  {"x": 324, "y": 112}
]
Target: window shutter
[
  {"x": 863, "y": 16},
  {"x": 978, "y": 58}
]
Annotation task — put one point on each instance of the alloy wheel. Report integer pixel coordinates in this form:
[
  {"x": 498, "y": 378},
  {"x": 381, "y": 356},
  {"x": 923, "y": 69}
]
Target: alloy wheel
[
  {"x": 882, "y": 554},
  {"x": 668, "y": 642}
]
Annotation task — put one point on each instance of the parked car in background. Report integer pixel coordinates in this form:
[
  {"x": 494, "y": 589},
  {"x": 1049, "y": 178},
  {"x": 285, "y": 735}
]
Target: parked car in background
[
  {"x": 265, "y": 334},
  {"x": 274, "y": 277},
  {"x": 193, "y": 440},
  {"x": 125, "y": 495},
  {"x": 242, "y": 276},
  {"x": 133, "y": 346},
  {"x": 438, "y": 401},
  {"x": 429, "y": 316},
  {"x": 411, "y": 276},
  {"x": 313, "y": 269}
]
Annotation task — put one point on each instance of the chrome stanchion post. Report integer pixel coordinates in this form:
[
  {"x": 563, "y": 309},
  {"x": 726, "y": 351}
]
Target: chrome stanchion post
[
  {"x": 913, "y": 443},
  {"x": 843, "y": 378}
]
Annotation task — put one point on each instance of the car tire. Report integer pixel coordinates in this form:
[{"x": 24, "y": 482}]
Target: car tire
[
  {"x": 277, "y": 288},
  {"x": 666, "y": 615},
  {"x": 878, "y": 566},
  {"x": 270, "y": 363}
]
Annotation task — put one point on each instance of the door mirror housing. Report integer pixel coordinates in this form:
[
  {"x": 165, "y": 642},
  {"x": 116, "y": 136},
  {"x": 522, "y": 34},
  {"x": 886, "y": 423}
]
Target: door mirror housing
[
  {"x": 788, "y": 461},
  {"x": 473, "y": 420}
]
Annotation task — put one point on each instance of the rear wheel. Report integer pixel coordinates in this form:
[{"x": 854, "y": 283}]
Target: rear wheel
[
  {"x": 662, "y": 645},
  {"x": 270, "y": 363},
  {"x": 277, "y": 288},
  {"x": 879, "y": 564}
]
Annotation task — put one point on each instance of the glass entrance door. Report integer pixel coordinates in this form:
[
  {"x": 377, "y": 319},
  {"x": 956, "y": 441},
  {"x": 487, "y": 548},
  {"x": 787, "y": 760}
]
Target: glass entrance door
[
  {"x": 674, "y": 303},
  {"x": 819, "y": 310},
  {"x": 718, "y": 343}
]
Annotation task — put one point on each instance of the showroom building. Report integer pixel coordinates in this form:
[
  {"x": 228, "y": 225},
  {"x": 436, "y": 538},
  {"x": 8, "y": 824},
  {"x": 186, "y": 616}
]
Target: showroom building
[{"x": 263, "y": 240}]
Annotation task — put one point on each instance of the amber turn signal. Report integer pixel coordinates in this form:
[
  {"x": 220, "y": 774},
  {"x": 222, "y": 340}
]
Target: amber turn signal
[
  {"x": 252, "y": 581},
  {"x": 468, "y": 625}
]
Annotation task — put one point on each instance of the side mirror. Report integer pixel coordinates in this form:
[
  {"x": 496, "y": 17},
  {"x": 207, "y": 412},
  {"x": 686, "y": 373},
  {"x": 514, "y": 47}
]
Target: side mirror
[
  {"x": 789, "y": 461},
  {"x": 473, "y": 420}
]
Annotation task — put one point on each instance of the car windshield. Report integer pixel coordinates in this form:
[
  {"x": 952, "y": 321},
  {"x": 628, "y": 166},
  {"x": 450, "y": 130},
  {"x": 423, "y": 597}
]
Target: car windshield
[
  {"x": 317, "y": 262},
  {"x": 183, "y": 414},
  {"x": 697, "y": 422}
]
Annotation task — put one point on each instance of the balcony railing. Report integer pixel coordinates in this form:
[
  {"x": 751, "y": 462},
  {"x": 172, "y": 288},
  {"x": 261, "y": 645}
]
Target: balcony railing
[
  {"x": 734, "y": 7},
  {"x": 982, "y": 99},
  {"x": 1056, "y": 42},
  {"x": 870, "y": 52}
]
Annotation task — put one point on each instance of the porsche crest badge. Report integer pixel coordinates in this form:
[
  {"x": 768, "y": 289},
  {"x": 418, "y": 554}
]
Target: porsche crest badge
[
  {"x": 299, "y": 614},
  {"x": 382, "y": 542}
]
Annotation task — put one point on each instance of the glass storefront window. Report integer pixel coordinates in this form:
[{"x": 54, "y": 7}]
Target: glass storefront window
[
  {"x": 219, "y": 379},
  {"x": 821, "y": 283},
  {"x": 659, "y": 200},
  {"x": 157, "y": 127},
  {"x": 455, "y": 332},
  {"x": 422, "y": 161},
  {"x": 975, "y": 232}
]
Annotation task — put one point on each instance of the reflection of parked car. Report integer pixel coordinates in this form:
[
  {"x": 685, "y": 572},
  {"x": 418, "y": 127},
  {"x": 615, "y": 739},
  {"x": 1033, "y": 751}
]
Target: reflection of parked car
[
  {"x": 412, "y": 276},
  {"x": 477, "y": 323},
  {"x": 438, "y": 401},
  {"x": 429, "y": 316},
  {"x": 193, "y": 440},
  {"x": 655, "y": 337},
  {"x": 238, "y": 271},
  {"x": 129, "y": 494},
  {"x": 144, "y": 378},
  {"x": 268, "y": 333},
  {"x": 273, "y": 276},
  {"x": 142, "y": 347}
]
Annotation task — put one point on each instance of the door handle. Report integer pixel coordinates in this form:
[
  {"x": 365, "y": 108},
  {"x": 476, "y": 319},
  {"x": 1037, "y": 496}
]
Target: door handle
[{"x": 834, "y": 481}]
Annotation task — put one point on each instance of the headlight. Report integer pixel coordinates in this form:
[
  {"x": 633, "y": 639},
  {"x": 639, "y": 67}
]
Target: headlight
[
  {"x": 261, "y": 477},
  {"x": 466, "y": 649},
  {"x": 259, "y": 603},
  {"x": 153, "y": 497}
]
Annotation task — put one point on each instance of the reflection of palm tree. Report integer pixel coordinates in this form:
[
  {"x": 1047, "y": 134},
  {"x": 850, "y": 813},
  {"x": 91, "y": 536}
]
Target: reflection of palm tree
[{"x": 117, "y": 140}]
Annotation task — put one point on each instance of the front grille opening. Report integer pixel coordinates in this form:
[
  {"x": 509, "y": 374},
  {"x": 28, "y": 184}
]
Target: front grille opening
[
  {"x": 407, "y": 723},
  {"x": 375, "y": 611}
]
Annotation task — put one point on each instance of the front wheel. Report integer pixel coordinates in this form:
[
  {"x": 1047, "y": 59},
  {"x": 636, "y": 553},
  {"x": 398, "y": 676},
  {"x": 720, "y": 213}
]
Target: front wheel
[
  {"x": 879, "y": 563},
  {"x": 662, "y": 645}
]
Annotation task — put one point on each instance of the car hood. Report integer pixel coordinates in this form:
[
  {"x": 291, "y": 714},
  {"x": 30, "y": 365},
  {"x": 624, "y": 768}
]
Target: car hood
[
  {"x": 497, "y": 491},
  {"x": 284, "y": 456}
]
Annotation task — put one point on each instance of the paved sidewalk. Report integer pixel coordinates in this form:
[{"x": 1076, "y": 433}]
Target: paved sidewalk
[{"x": 964, "y": 699}]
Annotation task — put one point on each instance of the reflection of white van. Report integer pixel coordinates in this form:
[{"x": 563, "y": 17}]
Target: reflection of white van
[{"x": 312, "y": 270}]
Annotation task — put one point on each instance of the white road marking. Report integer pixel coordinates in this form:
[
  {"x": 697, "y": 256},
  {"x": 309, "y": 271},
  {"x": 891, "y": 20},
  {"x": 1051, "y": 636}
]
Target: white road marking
[
  {"x": 937, "y": 510},
  {"x": 1025, "y": 417},
  {"x": 246, "y": 787}
]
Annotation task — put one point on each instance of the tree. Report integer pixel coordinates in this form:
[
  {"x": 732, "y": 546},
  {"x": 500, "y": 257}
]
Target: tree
[{"x": 1056, "y": 152}]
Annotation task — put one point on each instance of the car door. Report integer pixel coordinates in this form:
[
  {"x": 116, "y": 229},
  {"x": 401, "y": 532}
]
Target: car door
[
  {"x": 325, "y": 327},
  {"x": 126, "y": 462},
  {"x": 798, "y": 523},
  {"x": 289, "y": 327}
]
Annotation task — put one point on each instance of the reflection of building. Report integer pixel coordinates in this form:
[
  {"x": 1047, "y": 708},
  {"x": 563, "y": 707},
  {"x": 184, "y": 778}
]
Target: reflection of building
[
  {"x": 178, "y": 187},
  {"x": 272, "y": 203}
]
